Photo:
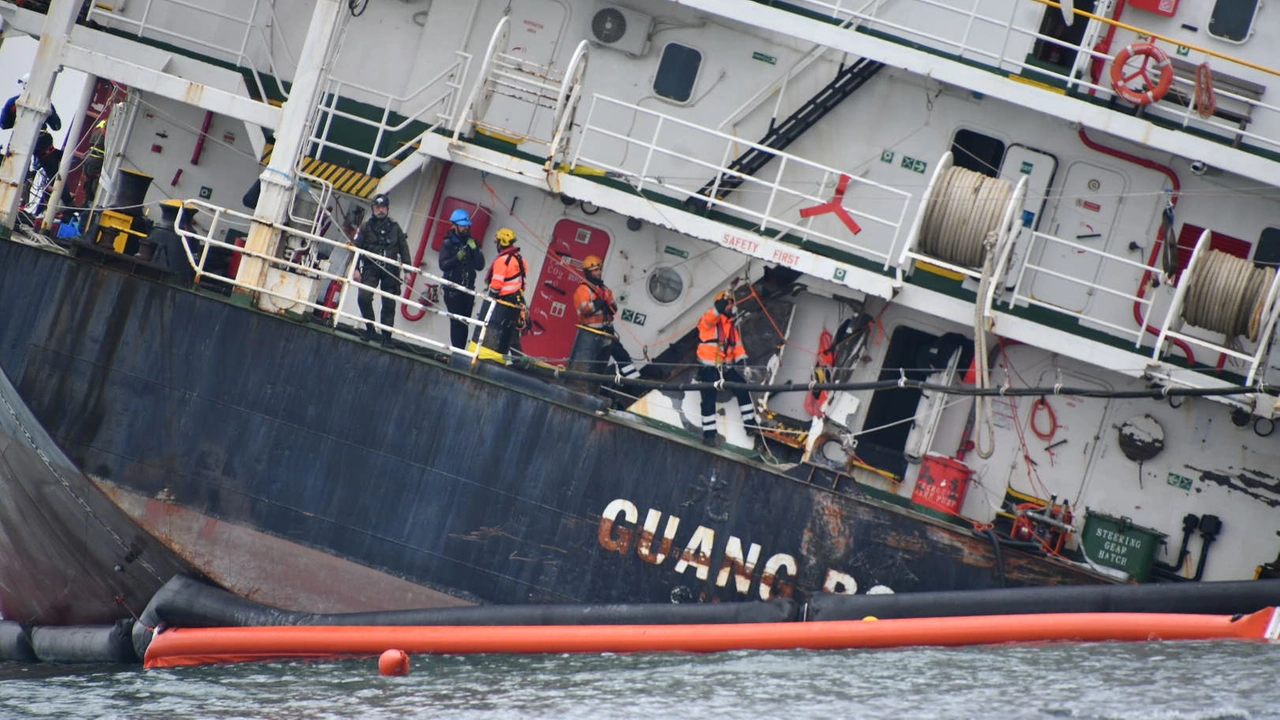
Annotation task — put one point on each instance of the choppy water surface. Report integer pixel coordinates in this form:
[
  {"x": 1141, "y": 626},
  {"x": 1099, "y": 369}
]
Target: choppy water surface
[{"x": 1136, "y": 680}]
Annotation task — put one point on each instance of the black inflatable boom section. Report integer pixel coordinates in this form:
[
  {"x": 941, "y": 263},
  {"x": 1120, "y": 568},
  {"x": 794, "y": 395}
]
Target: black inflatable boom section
[
  {"x": 1193, "y": 598},
  {"x": 187, "y": 602}
]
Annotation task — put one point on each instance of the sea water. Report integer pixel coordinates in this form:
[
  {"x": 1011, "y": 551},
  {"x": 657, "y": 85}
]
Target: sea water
[{"x": 1168, "y": 680}]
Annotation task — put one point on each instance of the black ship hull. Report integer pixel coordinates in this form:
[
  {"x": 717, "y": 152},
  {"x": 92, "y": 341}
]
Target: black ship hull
[{"x": 313, "y": 472}]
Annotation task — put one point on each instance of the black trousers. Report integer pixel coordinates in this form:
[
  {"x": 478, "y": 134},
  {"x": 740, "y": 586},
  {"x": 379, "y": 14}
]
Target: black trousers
[
  {"x": 90, "y": 174},
  {"x": 458, "y": 303},
  {"x": 387, "y": 279},
  {"x": 592, "y": 352},
  {"x": 49, "y": 163},
  {"x": 709, "y": 374},
  {"x": 503, "y": 326}
]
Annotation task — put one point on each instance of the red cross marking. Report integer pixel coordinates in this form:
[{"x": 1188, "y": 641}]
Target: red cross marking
[{"x": 835, "y": 205}]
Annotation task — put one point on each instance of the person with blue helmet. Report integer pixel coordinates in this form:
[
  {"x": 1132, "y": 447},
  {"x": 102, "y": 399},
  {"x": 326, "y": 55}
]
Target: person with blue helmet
[{"x": 460, "y": 260}]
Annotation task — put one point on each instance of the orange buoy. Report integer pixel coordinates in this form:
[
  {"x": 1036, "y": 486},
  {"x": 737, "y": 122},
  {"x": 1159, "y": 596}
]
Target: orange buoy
[{"x": 394, "y": 662}]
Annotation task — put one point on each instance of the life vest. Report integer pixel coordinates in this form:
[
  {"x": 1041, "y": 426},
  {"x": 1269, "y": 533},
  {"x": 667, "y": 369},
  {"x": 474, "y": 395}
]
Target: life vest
[
  {"x": 719, "y": 341},
  {"x": 814, "y": 400},
  {"x": 506, "y": 277},
  {"x": 584, "y": 300},
  {"x": 97, "y": 141}
]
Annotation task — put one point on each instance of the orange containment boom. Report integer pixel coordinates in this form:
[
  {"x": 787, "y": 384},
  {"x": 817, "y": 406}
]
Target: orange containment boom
[{"x": 197, "y": 646}]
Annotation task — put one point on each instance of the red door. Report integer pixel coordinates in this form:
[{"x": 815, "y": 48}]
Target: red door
[{"x": 552, "y": 318}]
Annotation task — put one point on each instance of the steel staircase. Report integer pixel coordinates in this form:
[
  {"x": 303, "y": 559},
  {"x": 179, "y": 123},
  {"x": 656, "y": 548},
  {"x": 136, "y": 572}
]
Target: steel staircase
[{"x": 781, "y": 135}]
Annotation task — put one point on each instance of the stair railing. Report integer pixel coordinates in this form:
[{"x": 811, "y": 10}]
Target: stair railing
[
  {"x": 437, "y": 111},
  {"x": 259, "y": 34}
]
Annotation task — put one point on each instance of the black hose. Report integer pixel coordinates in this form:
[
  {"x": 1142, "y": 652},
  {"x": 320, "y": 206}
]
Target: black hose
[{"x": 534, "y": 367}]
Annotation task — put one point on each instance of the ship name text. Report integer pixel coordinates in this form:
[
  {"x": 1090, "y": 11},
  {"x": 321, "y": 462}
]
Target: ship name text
[{"x": 654, "y": 542}]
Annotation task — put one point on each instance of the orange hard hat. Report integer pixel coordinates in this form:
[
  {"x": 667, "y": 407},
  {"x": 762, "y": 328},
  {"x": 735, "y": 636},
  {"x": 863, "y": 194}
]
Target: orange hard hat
[
  {"x": 592, "y": 263},
  {"x": 726, "y": 295}
]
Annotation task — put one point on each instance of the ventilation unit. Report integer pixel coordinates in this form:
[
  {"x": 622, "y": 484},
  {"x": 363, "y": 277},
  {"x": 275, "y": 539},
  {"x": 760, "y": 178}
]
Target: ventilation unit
[{"x": 620, "y": 28}]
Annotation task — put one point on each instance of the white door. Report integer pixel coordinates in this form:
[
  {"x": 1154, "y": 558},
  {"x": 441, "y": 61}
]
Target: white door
[
  {"x": 1084, "y": 215},
  {"x": 1040, "y": 169}
]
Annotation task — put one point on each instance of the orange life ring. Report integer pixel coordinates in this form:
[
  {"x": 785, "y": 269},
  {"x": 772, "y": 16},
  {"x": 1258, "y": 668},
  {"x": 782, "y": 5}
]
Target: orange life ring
[{"x": 1152, "y": 58}]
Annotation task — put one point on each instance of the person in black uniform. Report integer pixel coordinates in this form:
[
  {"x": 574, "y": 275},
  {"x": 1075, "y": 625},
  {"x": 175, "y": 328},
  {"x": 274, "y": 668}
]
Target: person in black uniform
[
  {"x": 380, "y": 236},
  {"x": 460, "y": 260},
  {"x": 46, "y": 154}
]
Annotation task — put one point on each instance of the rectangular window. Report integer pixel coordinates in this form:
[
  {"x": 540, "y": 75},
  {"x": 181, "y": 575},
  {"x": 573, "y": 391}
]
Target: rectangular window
[{"x": 677, "y": 72}]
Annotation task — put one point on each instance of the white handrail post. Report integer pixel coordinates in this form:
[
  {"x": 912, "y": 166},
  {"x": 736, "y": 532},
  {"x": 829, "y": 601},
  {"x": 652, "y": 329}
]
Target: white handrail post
[{"x": 1185, "y": 280}]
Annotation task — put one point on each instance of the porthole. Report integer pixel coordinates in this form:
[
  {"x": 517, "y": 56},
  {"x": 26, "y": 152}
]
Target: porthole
[{"x": 665, "y": 285}]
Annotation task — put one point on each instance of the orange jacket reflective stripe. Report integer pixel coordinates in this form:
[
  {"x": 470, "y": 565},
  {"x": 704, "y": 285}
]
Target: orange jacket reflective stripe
[
  {"x": 507, "y": 275},
  {"x": 718, "y": 339},
  {"x": 584, "y": 300}
]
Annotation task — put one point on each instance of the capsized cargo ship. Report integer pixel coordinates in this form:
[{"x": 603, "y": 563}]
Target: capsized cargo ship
[{"x": 1006, "y": 280}]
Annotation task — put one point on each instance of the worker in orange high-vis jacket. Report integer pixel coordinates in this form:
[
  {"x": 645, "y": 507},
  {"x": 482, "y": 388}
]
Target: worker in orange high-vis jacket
[
  {"x": 506, "y": 289},
  {"x": 597, "y": 342},
  {"x": 721, "y": 356}
]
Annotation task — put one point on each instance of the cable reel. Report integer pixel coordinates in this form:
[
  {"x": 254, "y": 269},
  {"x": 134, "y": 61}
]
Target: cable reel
[
  {"x": 965, "y": 208},
  {"x": 1227, "y": 294}
]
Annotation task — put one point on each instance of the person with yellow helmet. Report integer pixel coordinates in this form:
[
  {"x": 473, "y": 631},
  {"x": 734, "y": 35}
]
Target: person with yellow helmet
[
  {"x": 93, "y": 161},
  {"x": 596, "y": 342},
  {"x": 506, "y": 281},
  {"x": 720, "y": 355}
]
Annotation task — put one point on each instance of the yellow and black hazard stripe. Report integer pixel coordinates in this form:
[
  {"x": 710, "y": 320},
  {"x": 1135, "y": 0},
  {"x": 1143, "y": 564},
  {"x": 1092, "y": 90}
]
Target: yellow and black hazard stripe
[{"x": 344, "y": 180}]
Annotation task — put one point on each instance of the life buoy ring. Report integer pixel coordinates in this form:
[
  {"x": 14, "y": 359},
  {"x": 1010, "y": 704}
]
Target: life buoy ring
[{"x": 1148, "y": 91}]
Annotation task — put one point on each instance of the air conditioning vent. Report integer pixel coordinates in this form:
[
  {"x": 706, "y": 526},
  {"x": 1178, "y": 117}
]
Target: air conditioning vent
[
  {"x": 608, "y": 26},
  {"x": 620, "y": 28}
]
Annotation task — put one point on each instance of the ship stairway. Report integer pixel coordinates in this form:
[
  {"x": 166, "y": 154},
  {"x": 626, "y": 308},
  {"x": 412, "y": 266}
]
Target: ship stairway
[
  {"x": 359, "y": 135},
  {"x": 781, "y": 135},
  {"x": 997, "y": 50},
  {"x": 522, "y": 102}
]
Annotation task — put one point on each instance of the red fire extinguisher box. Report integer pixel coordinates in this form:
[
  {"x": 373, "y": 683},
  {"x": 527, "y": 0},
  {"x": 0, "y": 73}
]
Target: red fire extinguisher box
[
  {"x": 1168, "y": 8},
  {"x": 942, "y": 484}
]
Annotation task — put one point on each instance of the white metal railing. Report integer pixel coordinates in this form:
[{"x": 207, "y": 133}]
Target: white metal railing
[
  {"x": 261, "y": 37},
  {"x": 681, "y": 175},
  {"x": 306, "y": 265},
  {"x": 972, "y": 30},
  {"x": 1031, "y": 271},
  {"x": 541, "y": 87},
  {"x": 1268, "y": 316},
  {"x": 439, "y": 110}
]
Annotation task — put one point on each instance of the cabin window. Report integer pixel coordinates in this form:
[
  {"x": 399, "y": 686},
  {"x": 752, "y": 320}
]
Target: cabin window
[
  {"x": 665, "y": 285},
  {"x": 1267, "y": 252},
  {"x": 977, "y": 152},
  {"x": 677, "y": 72},
  {"x": 1232, "y": 20}
]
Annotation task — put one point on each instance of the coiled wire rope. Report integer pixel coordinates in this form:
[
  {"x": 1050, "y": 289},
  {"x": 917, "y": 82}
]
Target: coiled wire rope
[
  {"x": 966, "y": 207},
  {"x": 1227, "y": 294}
]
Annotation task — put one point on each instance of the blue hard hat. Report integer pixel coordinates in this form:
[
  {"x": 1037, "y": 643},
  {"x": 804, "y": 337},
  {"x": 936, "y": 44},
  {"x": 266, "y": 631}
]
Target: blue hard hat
[{"x": 460, "y": 217}]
